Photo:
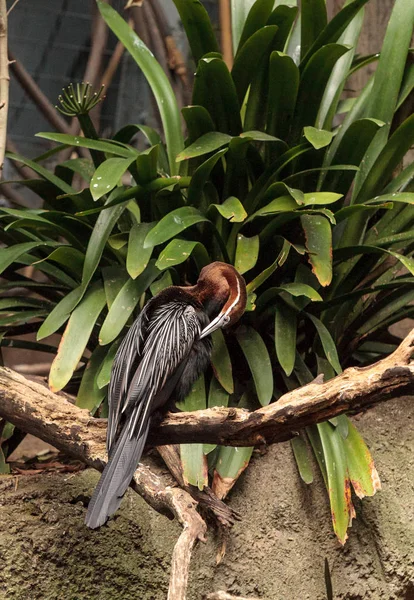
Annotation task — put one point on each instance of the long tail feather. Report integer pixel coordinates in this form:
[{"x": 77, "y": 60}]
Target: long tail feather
[{"x": 117, "y": 475}]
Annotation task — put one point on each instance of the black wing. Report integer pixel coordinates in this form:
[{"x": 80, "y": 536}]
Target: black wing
[{"x": 145, "y": 371}]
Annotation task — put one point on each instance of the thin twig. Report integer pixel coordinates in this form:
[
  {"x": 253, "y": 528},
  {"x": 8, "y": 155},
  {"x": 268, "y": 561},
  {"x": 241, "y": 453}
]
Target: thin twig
[
  {"x": 12, "y": 6},
  {"x": 4, "y": 82}
]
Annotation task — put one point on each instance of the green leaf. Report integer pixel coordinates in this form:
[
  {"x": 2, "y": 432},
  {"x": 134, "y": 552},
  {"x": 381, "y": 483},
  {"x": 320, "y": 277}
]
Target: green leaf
[
  {"x": 232, "y": 210},
  {"x": 221, "y": 362},
  {"x": 106, "y": 146},
  {"x": 258, "y": 359},
  {"x": 9, "y": 255},
  {"x": 108, "y": 175},
  {"x": 104, "y": 373},
  {"x": 198, "y": 121},
  {"x": 319, "y": 246},
  {"x": 319, "y": 138},
  {"x": 314, "y": 21},
  {"x": 231, "y": 462},
  {"x": 175, "y": 253},
  {"x": 302, "y": 457},
  {"x": 200, "y": 177},
  {"x": 266, "y": 273},
  {"x": 192, "y": 455},
  {"x": 389, "y": 158},
  {"x": 172, "y": 224},
  {"x": 138, "y": 256},
  {"x": 214, "y": 89},
  {"x": 157, "y": 79},
  {"x": 250, "y": 55},
  {"x": 337, "y": 479},
  {"x": 68, "y": 257},
  {"x": 362, "y": 471},
  {"x": 335, "y": 28},
  {"x": 247, "y": 252},
  {"x": 198, "y": 29},
  {"x": 60, "y": 314},
  {"x": 391, "y": 65},
  {"x": 125, "y": 303},
  {"x": 217, "y": 396},
  {"x": 76, "y": 336},
  {"x": 312, "y": 86},
  {"x": 283, "y": 91},
  {"x": 327, "y": 343},
  {"x": 285, "y": 336},
  {"x": 114, "y": 279},
  {"x": 90, "y": 395},
  {"x": 161, "y": 283},
  {"x": 209, "y": 142},
  {"x": 321, "y": 198},
  {"x": 256, "y": 19},
  {"x": 56, "y": 181}
]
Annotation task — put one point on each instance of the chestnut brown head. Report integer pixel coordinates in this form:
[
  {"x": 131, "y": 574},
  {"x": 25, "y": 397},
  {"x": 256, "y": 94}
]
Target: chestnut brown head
[{"x": 222, "y": 291}]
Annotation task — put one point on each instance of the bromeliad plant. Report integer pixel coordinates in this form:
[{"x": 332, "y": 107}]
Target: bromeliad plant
[{"x": 301, "y": 190}]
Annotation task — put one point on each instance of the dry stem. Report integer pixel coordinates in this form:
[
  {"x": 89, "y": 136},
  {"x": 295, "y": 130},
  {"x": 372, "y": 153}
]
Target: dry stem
[{"x": 4, "y": 81}]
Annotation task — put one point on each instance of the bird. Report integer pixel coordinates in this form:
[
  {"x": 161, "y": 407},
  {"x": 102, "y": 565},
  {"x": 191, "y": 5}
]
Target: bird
[{"x": 163, "y": 354}]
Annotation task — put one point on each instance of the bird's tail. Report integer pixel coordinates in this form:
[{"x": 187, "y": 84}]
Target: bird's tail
[{"x": 117, "y": 475}]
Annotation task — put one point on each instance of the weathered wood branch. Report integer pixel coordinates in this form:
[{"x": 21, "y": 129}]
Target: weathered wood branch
[{"x": 36, "y": 410}]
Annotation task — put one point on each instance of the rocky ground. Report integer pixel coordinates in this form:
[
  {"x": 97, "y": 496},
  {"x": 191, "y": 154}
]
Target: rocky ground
[{"x": 276, "y": 552}]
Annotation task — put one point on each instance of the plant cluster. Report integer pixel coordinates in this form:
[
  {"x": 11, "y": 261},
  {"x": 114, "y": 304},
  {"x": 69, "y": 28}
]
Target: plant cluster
[{"x": 302, "y": 190}]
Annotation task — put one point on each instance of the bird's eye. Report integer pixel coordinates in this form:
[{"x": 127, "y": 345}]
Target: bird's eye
[{"x": 226, "y": 319}]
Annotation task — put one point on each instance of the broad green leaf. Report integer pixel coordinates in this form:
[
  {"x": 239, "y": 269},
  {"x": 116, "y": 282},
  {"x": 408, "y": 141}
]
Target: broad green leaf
[
  {"x": 283, "y": 16},
  {"x": 172, "y": 224},
  {"x": 209, "y": 142},
  {"x": 321, "y": 198},
  {"x": 385, "y": 310},
  {"x": 104, "y": 372},
  {"x": 391, "y": 65},
  {"x": 319, "y": 138},
  {"x": 239, "y": 12},
  {"x": 302, "y": 458},
  {"x": 351, "y": 150},
  {"x": 68, "y": 257},
  {"x": 258, "y": 359},
  {"x": 99, "y": 237},
  {"x": 256, "y": 19},
  {"x": 21, "y": 316},
  {"x": 125, "y": 134},
  {"x": 45, "y": 173},
  {"x": 281, "y": 204},
  {"x": 138, "y": 256},
  {"x": 157, "y": 79},
  {"x": 198, "y": 29},
  {"x": 90, "y": 395},
  {"x": 283, "y": 91},
  {"x": 231, "y": 462},
  {"x": 389, "y": 158},
  {"x": 318, "y": 236},
  {"x": 13, "y": 302},
  {"x": 146, "y": 165},
  {"x": 361, "y": 468},
  {"x": 285, "y": 336},
  {"x": 249, "y": 56},
  {"x": 9, "y": 255},
  {"x": 161, "y": 283},
  {"x": 114, "y": 278},
  {"x": 221, "y": 362},
  {"x": 337, "y": 479},
  {"x": 193, "y": 459},
  {"x": 327, "y": 343},
  {"x": 247, "y": 252},
  {"x": 232, "y": 210},
  {"x": 312, "y": 86},
  {"x": 175, "y": 253},
  {"x": 332, "y": 31},
  {"x": 76, "y": 336},
  {"x": 106, "y": 146},
  {"x": 82, "y": 166},
  {"x": 215, "y": 90},
  {"x": 314, "y": 21},
  {"x": 60, "y": 314},
  {"x": 125, "y": 303},
  {"x": 108, "y": 175},
  {"x": 198, "y": 121},
  {"x": 200, "y": 177}
]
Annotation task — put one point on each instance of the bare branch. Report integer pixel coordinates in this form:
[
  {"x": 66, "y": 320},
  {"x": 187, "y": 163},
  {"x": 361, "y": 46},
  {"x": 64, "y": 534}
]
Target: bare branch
[
  {"x": 4, "y": 81},
  {"x": 37, "y": 410}
]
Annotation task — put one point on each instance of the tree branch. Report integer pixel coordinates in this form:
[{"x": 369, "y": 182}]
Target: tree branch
[{"x": 36, "y": 410}]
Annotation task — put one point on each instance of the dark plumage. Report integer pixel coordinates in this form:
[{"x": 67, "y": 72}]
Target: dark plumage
[{"x": 164, "y": 352}]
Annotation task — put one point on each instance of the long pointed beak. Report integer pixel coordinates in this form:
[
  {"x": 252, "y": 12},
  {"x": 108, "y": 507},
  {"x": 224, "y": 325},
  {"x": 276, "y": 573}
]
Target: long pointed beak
[{"x": 216, "y": 323}]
